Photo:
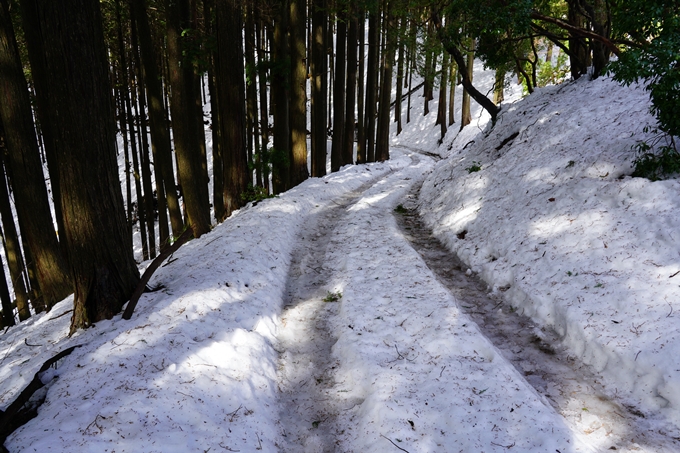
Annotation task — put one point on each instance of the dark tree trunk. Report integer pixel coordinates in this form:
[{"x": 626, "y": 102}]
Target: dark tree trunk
[
  {"x": 252, "y": 133},
  {"x": 441, "y": 110},
  {"x": 579, "y": 55},
  {"x": 41, "y": 82},
  {"x": 452, "y": 93},
  {"x": 382, "y": 148},
  {"x": 319, "y": 80},
  {"x": 186, "y": 134},
  {"x": 466, "y": 116},
  {"x": 7, "y": 308},
  {"x": 400, "y": 76},
  {"x": 231, "y": 103},
  {"x": 25, "y": 170},
  {"x": 372, "y": 82},
  {"x": 264, "y": 111},
  {"x": 160, "y": 133},
  {"x": 15, "y": 261},
  {"x": 339, "y": 94},
  {"x": 103, "y": 269},
  {"x": 601, "y": 21},
  {"x": 298, "y": 93},
  {"x": 361, "y": 91},
  {"x": 351, "y": 90},
  {"x": 280, "y": 96}
]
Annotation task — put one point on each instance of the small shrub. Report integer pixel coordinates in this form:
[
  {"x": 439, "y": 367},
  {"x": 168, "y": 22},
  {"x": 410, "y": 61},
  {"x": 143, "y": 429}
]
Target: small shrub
[
  {"x": 332, "y": 297},
  {"x": 400, "y": 209},
  {"x": 475, "y": 167},
  {"x": 255, "y": 193},
  {"x": 657, "y": 158}
]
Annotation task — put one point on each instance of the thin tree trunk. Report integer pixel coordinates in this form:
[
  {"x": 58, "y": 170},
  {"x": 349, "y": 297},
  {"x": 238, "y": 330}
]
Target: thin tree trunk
[
  {"x": 441, "y": 110},
  {"x": 319, "y": 81},
  {"x": 252, "y": 134},
  {"x": 166, "y": 190},
  {"x": 280, "y": 96},
  {"x": 466, "y": 117},
  {"x": 339, "y": 95},
  {"x": 382, "y": 149},
  {"x": 264, "y": 111},
  {"x": 187, "y": 137},
  {"x": 400, "y": 76},
  {"x": 298, "y": 93},
  {"x": 372, "y": 82},
  {"x": 452, "y": 93},
  {"x": 361, "y": 91},
  {"x": 7, "y": 308},
  {"x": 351, "y": 90},
  {"x": 15, "y": 261},
  {"x": 231, "y": 103}
]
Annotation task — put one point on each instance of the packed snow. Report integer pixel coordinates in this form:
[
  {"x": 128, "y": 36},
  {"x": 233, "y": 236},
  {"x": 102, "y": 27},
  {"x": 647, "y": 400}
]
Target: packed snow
[{"x": 309, "y": 323}]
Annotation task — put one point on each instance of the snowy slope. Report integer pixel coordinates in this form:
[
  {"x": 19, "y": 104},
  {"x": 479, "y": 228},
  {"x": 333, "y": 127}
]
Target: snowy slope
[{"x": 553, "y": 221}]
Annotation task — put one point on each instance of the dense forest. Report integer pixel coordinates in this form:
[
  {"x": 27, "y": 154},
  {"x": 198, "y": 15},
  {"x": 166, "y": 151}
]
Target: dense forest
[{"x": 83, "y": 82}]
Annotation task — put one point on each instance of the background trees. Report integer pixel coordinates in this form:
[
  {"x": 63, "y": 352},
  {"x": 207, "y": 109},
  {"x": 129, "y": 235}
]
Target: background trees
[{"x": 162, "y": 73}]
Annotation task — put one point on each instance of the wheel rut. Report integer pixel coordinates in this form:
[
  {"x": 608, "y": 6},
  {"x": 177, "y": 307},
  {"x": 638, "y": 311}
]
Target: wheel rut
[
  {"x": 572, "y": 388},
  {"x": 309, "y": 407}
]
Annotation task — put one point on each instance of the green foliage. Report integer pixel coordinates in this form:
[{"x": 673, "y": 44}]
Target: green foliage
[
  {"x": 655, "y": 28},
  {"x": 475, "y": 167},
  {"x": 657, "y": 158},
  {"x": 400, "y": 209},
  {"x": 552, "y": 75},
  {"x": 255, "y": 193},
  {"x": 332, "y": 296}
]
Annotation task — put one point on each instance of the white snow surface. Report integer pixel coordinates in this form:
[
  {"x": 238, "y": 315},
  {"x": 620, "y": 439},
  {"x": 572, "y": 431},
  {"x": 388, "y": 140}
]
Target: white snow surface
[{"x": 552, "y": 223}]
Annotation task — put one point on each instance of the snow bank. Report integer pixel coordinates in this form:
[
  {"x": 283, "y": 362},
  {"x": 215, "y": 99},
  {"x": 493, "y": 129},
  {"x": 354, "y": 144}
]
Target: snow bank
[{"x": 552, "y": 220}]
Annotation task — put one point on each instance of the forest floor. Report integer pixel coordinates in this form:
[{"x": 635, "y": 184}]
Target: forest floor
[{"x": 509, "y": 290}]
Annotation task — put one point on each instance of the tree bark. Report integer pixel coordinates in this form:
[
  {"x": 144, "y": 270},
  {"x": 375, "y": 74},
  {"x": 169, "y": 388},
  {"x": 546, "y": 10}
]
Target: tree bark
[
  {"x": 103, "y": 269},
  {"x": 400, "y": 76},
  {"x": 280, "y": 96},
  {"x": 339, "y": 94},
  {"x": 231, "y": 103},
  {"x": 298, "y": 93},
  {"x": 319, "y": 69},
  {"x": 186, "y": 135},
  {"x": 441, "y": 110},
  {"x": 160, "y": 133},
  {"x": 382, "y": 149},
  {"x": 25, "y": 170},
  {"x": 351, "y": 89},
  {"x": 361, "y": 91},
  {"x": 372, "y": 82}
]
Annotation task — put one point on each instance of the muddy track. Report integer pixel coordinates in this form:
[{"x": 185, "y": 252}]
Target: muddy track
[
  {"x": 570, "y": 387},
  {"x": 306, "y": 366}
]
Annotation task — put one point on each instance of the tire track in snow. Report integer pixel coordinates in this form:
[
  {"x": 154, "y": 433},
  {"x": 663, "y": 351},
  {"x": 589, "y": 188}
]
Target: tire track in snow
[
  {"x": 306, "y": 366},
  {"x": 572, "y": 388}
]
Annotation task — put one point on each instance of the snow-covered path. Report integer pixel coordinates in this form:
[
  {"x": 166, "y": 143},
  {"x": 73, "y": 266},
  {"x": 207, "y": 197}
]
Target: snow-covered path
[{"x": 403, "y": 365}]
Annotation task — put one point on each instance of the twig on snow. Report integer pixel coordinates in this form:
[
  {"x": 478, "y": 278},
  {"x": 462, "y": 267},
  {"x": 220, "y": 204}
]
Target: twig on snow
[
  {"x": 394, "y": 444},
  {"x": 233, "y": 414},
  {"x": 31, "y": 345},
  {"x": 504, "y": 446},
  {"x": 678, "y": 272}
]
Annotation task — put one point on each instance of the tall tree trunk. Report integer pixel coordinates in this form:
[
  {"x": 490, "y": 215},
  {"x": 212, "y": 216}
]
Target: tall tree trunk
[
  {"x": 601, "y": 21},
  {"x": 339, "y": 94},
  {"x": 579, "y": 55},
  {"x": 372, "y": 82},
  {"x": 319, "y": 80},
  {"x": 382, "y": 149},
  {"x": 15, "y": 261},
  {"x": 400, "y": 76},
  {"x": 7, "y": 308},
  {"x": 280, "y": 96},
  {"x": 361, "y": 91},
  {"x": 441, "y": 109},
  {"x": 499, "y": 87},
  {"x": 160, "y": 133},
  {"x": 466, "y": 116},
  {"x": 103, "y": 269},
  {"x": 298, "y": 93},
  {"x": 452, "y": 93},
  {"x": 351, "y": 89},
  {"x": 252, "y": 134},
  {"x": 25, "y": 170},
  {"x": 264, "y": 111},
  {"x": 187, "y": 137},
  {"x": 231, "y": 103},
  {"x": 41, "y": 82}
]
